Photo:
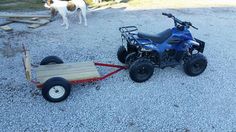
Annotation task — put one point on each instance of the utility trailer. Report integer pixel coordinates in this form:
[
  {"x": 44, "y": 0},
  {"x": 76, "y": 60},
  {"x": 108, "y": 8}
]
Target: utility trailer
[{"x": 54, "y": 77}]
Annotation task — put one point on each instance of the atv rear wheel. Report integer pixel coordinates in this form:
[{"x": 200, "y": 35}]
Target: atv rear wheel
[
  {"x": 195, "y": 65},
  {"x": 121, "y": 54},
  {"x": 130, "y": 58},
  {"x": 141, "y": 70},
  {"x": 131, "y": 48}
]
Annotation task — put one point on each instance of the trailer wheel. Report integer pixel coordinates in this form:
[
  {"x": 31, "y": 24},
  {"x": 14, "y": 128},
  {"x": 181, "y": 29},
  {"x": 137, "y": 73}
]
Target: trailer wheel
[
  {"x": 141, "y": 70},
  {"x": 121, "y": 54},
  {"x": 195, "y": 65},
  {"x": 56, "y": 89},
  {"x": 51, "y": 60}
]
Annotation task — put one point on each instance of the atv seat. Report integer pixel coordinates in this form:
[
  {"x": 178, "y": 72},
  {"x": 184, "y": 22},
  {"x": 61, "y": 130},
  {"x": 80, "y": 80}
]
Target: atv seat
[{"x": 159, "y": 38}]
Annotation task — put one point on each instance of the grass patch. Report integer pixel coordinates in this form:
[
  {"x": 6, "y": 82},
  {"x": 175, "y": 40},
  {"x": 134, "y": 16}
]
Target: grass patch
[
  {"x": 8, "y": 1},
  {"x": 25, "y": 4},
  {"x": 103, "y": 4},
  {"x": 181, "y": 3},
  {"x": 20, "y": 5}
]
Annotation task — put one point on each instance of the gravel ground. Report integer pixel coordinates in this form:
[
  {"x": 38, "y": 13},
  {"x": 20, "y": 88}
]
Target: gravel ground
[{"x": 169, "y": 101}]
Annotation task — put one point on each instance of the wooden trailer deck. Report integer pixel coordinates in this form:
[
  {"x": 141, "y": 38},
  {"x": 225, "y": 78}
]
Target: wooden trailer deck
[{"x": 68, "y": 71}]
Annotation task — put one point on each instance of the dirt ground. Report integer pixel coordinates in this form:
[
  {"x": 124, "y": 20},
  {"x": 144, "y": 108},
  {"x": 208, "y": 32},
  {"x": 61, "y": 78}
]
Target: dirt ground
[{"x": 169, "y": 101}]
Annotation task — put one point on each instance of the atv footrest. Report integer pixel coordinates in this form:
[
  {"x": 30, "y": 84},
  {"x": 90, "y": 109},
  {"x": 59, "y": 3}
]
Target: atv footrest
[{"x": 169, "y": 64}]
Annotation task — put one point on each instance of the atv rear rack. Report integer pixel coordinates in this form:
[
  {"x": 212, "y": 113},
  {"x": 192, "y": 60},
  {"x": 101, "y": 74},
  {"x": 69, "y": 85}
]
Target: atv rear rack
[
  {"x": 128, "y": 33},
  {"x": 128, "y": 29}
]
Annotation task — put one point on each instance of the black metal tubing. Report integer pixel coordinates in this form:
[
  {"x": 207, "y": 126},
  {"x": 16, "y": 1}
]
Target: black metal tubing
[
  {"x": 126, "y": 32},
  {"x": 128, "y": 29}
]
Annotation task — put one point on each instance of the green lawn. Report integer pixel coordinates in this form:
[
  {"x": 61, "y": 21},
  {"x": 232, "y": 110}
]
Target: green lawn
[
  {"x": 37, "y": 4},
  {"x": 25, "y": 4},
  {"x": 33, "y": 4},
  {"x": 20, "y": 4}
]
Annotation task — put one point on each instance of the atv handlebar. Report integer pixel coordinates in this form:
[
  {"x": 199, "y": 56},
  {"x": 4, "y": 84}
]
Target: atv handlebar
[
  {"x": 177, "y": 21},
  {"x": 167, "y": 14},
  {"x": 190, "y": 24}
]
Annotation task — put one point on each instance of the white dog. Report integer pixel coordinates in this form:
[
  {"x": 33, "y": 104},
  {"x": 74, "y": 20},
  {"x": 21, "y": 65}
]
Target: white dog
[{"x": 67, "y": 7}]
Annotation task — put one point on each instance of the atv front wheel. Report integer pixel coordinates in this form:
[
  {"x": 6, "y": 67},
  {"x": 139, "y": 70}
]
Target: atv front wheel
[
  {"x": 195, "y": 65},
  {"x": 141, "y": 70},
  {"x": 121, "y": 54}
]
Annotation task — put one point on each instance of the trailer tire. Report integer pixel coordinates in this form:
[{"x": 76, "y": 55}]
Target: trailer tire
[
  {"x": 51, "y": 60},
  {"x": 141, "y": 70},
  {"x": 121, "y": 54},
  {"x": 56, "y": 89}
]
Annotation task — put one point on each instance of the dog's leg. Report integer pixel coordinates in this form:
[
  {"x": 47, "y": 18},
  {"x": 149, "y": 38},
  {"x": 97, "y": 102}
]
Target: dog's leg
[
  {"x": 83, "y": 10},
  {"x": 63, "y": 15},
  {"x": 80, "y": 17},
  {"x": 65, "y": 21}
]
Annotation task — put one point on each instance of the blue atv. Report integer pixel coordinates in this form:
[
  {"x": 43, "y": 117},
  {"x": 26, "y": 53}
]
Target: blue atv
[{"x": 142, "y": 52}]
